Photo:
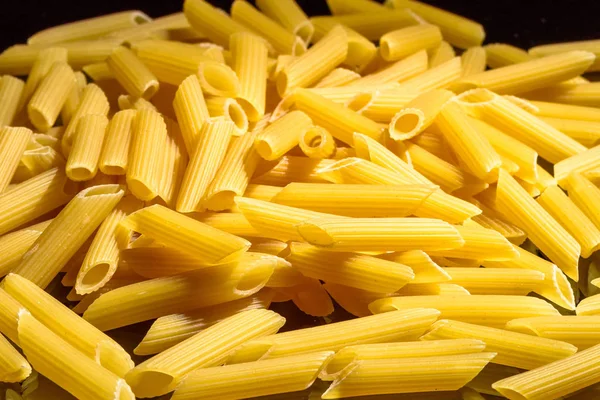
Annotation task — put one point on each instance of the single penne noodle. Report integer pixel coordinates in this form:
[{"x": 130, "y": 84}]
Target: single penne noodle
[
  {"x": 408, "y": 375},
  {"x": 553, "y": 380},
  {"x": 155, "y": 261},
  {"x": 174, "y": 161},
  {"x": 565, "y": 111},
  {"x": 174, "y": 26},
  {"x": 35, "y": 161},
  {"x": 172, "y": 329},
  {"x": 512, "y": 349},
  {"x": 191, "y": 111},
  {"x": 349, "y": 96},
  {"x": 282, "y": 135},
  {"x": 592, "y": 46},
  {"x": 282, "y": 375},
  {"x": 162, "y": 373},
  {"x": 580, "y": 331},
  {"x": 337, "y": 77},
  {"x": 65, "y": 365},
  {"x": 380, "y": 234},
  {"x": 585, "y": 132},
  {"x": 282, "y": 61},
  {"x": 231, "y": 110},
  {"x": 73, "y": 99},
  {"x": 587, "y": 95},
  {"x": 132, "y": 74},
  {"x": 286, "y": 276},
  {"x": 388, "y": 327},
  {"x": 487, "y": 310},
  {"x": 317, "y": 62},
  {"x": 289, "y": 15},
  {"x": 418, "y": 114},
  {"x": 513, "y": 233},
  {"x": 114, "y": 158},
  {"x": 344, "y": 199},
  {"x": 342, "y": 7},
  {"x": 13, "y": 142},
  {"x": 551, "y": 144},
  {"x": 398, "y": 71},
  {"x": 555, "y": 241},
  {"x": 82, "y": 164},
  {"x": 350, "y": 269},
  {"x": 437, "y": 77},
  {"x": 383, "y": 104},
  {"x": 419, "y": 289},
  {"x": 282, "y": 40},
  {"x": 578, "y": 163},
  {"x": 458, "y": 31},
  {"x": 234, "y": 223},
  {"x": 41, "y": 66},
  {"x": 502, "y": 54},
  {"x": 269, "y": 246},
  {"x": 77, "y": 220},
  {"x": 440, "y": 54},
  {"x": 340, "y": 121},
  {"x": 503, "y": 281},
  {"x": 13, "y": 366},
  {"x": 584, "y": 194},
  {"x": 210, "y": 152},
  {"x": 10, "y": 311},
  {"x": 480, "y": 244},
  {"x": 11, "y": 90},
  {"x": 13, "y": 245},
  {"x": 589, "y": 306},
  {"x": 361, "y": 51},
  {"x": 59, "y": 319},
  {"x": 529, "y": 75},
  {"x": 317, "y": 142},
  {"x": 50, "y": 96},
  {"x": 403, "y": 42},
  {"x": 355, "y": 301},
  {"x": 473, "y": 61},
  {"x": 290, "y": 169}
]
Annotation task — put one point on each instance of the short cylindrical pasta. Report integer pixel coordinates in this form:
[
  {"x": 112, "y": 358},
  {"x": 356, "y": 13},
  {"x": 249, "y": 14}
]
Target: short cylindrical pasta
[
  {"x": 289, "y": 15},
  {"x": 231, "y": 110},
  {"x": 404, "y": 42},
  {"x": 440, "y": 54},
  {"x": 438, "y": 77},
  {"x": 337, "y": 77},
  {"x": 13, "y": 245},
  {"x": 82, "y": 164},
  {"x": 317, "y": 142},
  {"x": 190, "y": 109},
  {"x": 556, "y": 48},
  {"x": 44, "y": 61},
  {"x": 11, "y": 90},
  {"x": 13, "y": 366},
  {"x": 114, "y": 158},
  {"x": 13, "y": 142},
  {"x": 502, "y": 54},
  {"x": 216, "y": 25},
  {"x": 473, "y": 61},
  {"x": 577, "y": 330},
  {"x": 399, "y": 71},
  {"x": 49, "y": 97},
  {"x": 132, "y": 74},
  {"x": 282, "y": 135}
]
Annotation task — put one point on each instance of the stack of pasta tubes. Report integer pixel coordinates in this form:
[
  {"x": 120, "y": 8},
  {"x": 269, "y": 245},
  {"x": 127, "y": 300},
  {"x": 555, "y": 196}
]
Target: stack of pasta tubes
[{"x": 429, "y": 202}]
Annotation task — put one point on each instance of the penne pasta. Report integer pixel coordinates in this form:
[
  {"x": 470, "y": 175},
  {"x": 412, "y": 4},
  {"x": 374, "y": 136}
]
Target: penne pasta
[
  {"x": 479, "y": 244},
  {"x": 589, "y": 306},
  {"x": 73, "y": 99},
  {"x": 13, "y": 142},
  {"x": 584, "y": 194},
  {"x": 502, "y": 54},
  {"x": 586, "y": 95},
  {"x": 355, "y": 301},
  {"x": 580, "y": 331},
  {"x": 282, "y": 135},
  {"x": 191, "y": 111},
  {"x": 231, "y": 110},
  {"x": 132, "y": 74},
  {"x": 585, "y": 132},
  {"x": 13, "y": 366},
  {"x": 289, "y": 15},
  {"x": 565, "y": 111},
  {"x": 425, "y": 269},
  {"x": 11, "y": 91},
  {"x": 309, "y": 296},
  {"x": 403, "y": 42},
  {"x": 398, "y": 71},
  {"x": 317, "y": 142},
  {"x": 13, "y": 245},
  {"x": 82, "y": 163},
  {"x": 440, "y": 54},
  {"x": 473, "y": 61},
  {"x": 578, "y": 163},
  {"x": 78, "y": 220},
  {"x": 50, "y": 96},
  {"x": 290, "y": 169},
  {"x": 337, "y": 77},
  {"x": 503, "y": 281},
  {"x": 592, "y": 46},
  {"x": 437, "y": 77},
  {"x": 114, "y": 157},
  {"x": 40, "y": 68}
]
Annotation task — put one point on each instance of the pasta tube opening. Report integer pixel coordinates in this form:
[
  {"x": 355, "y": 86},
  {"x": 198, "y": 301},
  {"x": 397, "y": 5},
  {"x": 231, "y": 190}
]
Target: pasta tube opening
[
  {"x": 406, "y": 123},
  {"x": 361, "y": 101},
  {"x": 317, "y": 142},
  {"x": 218, "y": 79}
]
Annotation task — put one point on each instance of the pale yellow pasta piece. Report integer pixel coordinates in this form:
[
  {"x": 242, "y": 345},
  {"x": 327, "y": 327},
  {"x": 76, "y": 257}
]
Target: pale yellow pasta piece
[
  {"x": 589, "y": 306},
  {"x": 479, "y": 244},
  {"x": 458, "y": 31},
  {"x": 36, "y": 160},
  {"x": 50, "y": 96},
  {"x": 355, "y": 301},
  {"x": 565, "y": 111},
  {"x": 289, "y": 15},
  {"x": 282, "y": 135},
  {"x": 380, "y": 234},
  {"x": 114, "y": 158},
  {"x": 317, "y": 142},
  {"x": 191, "y": 111},
  {"x": 383, "y": 105},
  {"x": 13, "y": 245},
  {"x": 231, "y": 110},
  {"x": 502, "y": 54},
  {"x": 73, "y": 99},
  {"x": 487, "y": 310},
  {"x": 513, "y": 233},
  {"x": 512, "y": 349},
  {"x": 290, "y": 169},
  {"x": 156, "y": 261},
  {"x": 11, "y": 91},
  {"x": 174, "y": 161},
  {"x": 337, "y": 77},
  {"x": 578, "y": 163},
  {"x": 425, "y": 269},
  {"x": 132, "y": 74},
  {"x": 209, "y": 154},
  {"x": 399, "y": 71},
  {"x": 13, "y": 142},
  {"x": 585, "y": 132},
  {"x": 13, "y": 366},
  {"x": 592, "y": 46},
  {"x": 77, "y": 220},
  {"x": 473, "y": 61},
  {"x": 355, "y": 200},
  {"x": 580, "y": 331},
  {"x": 350, "y": 96},
  {"x": 128, "y": 102},
  {"x": 553, "y": 380},
  {"x": 41, "y": 66},
  {"x": 418, "y": 114},
  {"x": 33, "y": 198},
  {"x": 341, "y": 7},
  {"x": 282, "y": 61},
  {"x": 543, "y": 230},
  {"x": 309, "y": 296},
  {"x": 99, "y": 71},
  {"x": 438, "y": 77},
  {"x": 258, "y": 378},
  {"x": 406, "y": 41},
  {"x": 82, "y": 164},
  {"x": 585, "y": 196},
  {"x": 440, "y": 54},
  {"x": 483, "y": 382},
  {"x": 587, "y": 94}
]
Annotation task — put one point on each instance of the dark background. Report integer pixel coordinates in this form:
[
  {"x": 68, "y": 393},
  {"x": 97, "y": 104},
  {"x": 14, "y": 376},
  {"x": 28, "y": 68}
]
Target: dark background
[{"x": 524, "y": 23}]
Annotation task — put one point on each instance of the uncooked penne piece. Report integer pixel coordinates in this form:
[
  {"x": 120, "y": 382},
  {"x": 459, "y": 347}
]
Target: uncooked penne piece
[
  {"x": 565, "y": 111},
  {"x": 580, "y": 331},
  {"x": 337, "y": 77},
  {"x": 230, "y": 109},
  {"x": 216, "y": 342},
  {"x": 578, "y": 163},
  {"x": 553, "y": 380},
  {"x": 473, "y": 61},
  {"x": 342, "y": 7},
  {"x": 512, "y": 349},
  {"x": 73, "y": 99},
  {"x": 479, "y": 244},
  {"x": 317, "y": 142},
  {"x": 290, "y": 169},
  {"x": 41, "y": 66},
  {"x": 13, "y": 142},
  {"x": 156, "y": 261},
  {"x": 543, "y": 230},
  {"x": 503, "y": 281},
  {"x": 585, "y": 195},
  {"x": 437, "y": 77},
  {"x": 589, "y": 306},
  {"x": 282, "y": 135},
  {"x": 399, "y": 71},
  {"x": 209, "y": 154},
  {"x": 592, "y": 46},
  {"x": 77, "y": 221},
  {"x": 403, "y": 42},
  {"x": 488, "y": 310},
  {"x": 585, "y": 132},
  {"x": 114, "y": 158},
  {"x": 289, "y": 15},
  {"x": 82, "y": 164},
  {"x": 98, "y": 71},
  {"x": 13, "y": 245},
  {"x": 440, "y": 54},
  {"x": 50, "y": 96},
  {"x": 11, "y": 90},
  {"x": 502, "y": 54},
  {"x": 380, "y": 234},
  {"x": 355, "y": 301},
  {"x": 586, "y": 94},
  {"x": 132, "y": 74},
  {"x": 13, "y": 366},
  {"x": 158, "y": 297},
  {"x": 257, "y": 378}
]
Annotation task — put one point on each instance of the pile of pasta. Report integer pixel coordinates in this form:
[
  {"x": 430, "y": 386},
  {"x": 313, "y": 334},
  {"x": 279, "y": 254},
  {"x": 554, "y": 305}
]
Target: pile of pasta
[{"x": 182, "y": 176}]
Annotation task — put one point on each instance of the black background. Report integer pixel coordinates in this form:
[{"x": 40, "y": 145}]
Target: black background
[{"x": 524, "y": 23}]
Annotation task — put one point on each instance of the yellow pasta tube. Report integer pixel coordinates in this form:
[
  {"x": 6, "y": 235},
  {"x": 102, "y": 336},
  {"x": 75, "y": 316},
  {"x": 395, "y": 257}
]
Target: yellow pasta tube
[
  {"x": 289, "y": 15},
  {"x": 77, "y": 220},
  {"x": 480, "y": 244},
  {"x": 290, "y": 169},
  {"x": 425, "y": 269},
  {"x": 580, "y": 331},
  {"x": 73, "y": 98},
  {"x": 208, "y": 156},
  {"x": 337, "y": 77},
  {"x": 553, "y": 380},
  {"x": 551, "y": 144},
  {"x": 543, "y": 230},
  {"x": 473, "y": 61},
  {"x": 180, "y": 293},
  {"x": 404, "y": 42},
  {"x": 458, "y": 31},
  {"x": 488, "y": 310},
  {"x": 380, "y": 234},
  {"x": 418, "y": 114},
  {"x": 440, "y": 54},
  {"x": 13, "y": 366},
  {"x": 132, "y": 74},
  {"x": 157, "y": 261},
  {"x": 584, "y": 194},
  {"x": 350, "y": 269},
  {"x": 587, "y": 94},
  {"x": 589, "y": 306},
  {"x": 399, "y": 71},
  {"x": 504, "y": 281},
  {"x": 190, "y": 236},
  {"x": 170, "y": 330},
  {"x": 35, "y": 161},
  {"x": 162, "y": 373},
  {"x": 13, "y": 245},
  {"x": 437, "y": 77},
  {"x": 317, "y": 142},
  {"x": 355, "y": 301},
  {"x": 565, "y": 111},
  {"x": 65, "y": 365},
  {"x": 309, "y": 296},
  {"x": 99, "y": 71},
  {"x": 585, "y": 132},
  {"x": 41, "y": 66},
  {"x": 50, "y": 96},
  {"x": 82, "y": 164},
  {"x": 282, "y": 135},
  {"x": 114, "y": 158},
  {"x": 13, "y": 142},
  {"x": 341, "y": 7},
  {"x": 513, "y": 233},
  {"x": 258, "y": 378},
  {"x": 32, "y": 199},
  {"x": 11, "y": 90},
  {"x": 340, "y": 121},
  {"x": 578, "y": 163},
  {"x": 282, "y": 40},
  {"x": 317, "y": 62},
  {"x": 512, "y": 349},
  {"x": 191, "y": 111},
  {"x": 59, "y": 319},
  {"x": 501, "y": 54},
  {"x": 231, "y": 110},
  {"x": 592, "y": 46}
]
